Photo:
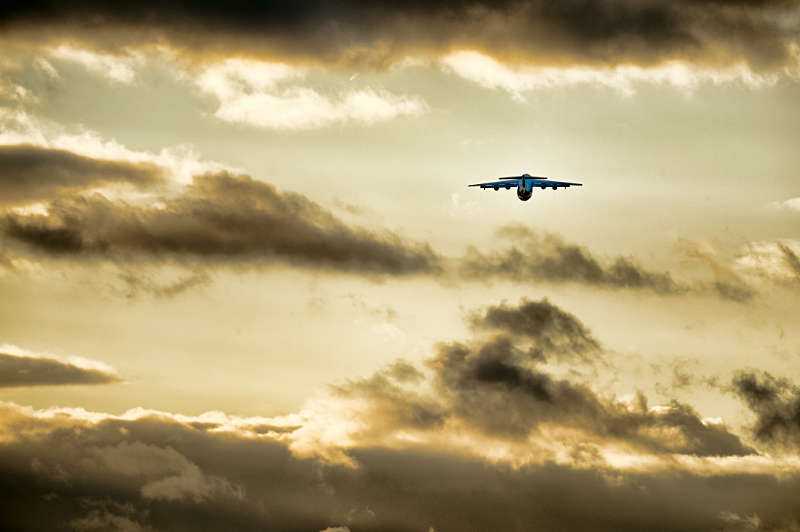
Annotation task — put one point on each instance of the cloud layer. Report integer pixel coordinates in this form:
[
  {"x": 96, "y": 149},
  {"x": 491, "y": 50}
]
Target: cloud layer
[
  {"x": 151, "y": 470},
  {"x": 466, "y": 441},
  {"x": 760, "y": 34},
  {"x": 80, "y": 198},
  {"x": 218, "y": 219}
]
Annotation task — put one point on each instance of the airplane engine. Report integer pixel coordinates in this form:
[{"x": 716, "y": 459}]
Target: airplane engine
[{"x": 524, "y": 195}]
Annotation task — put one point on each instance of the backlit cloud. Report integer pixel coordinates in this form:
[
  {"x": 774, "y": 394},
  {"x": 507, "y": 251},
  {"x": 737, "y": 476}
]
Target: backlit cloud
[
  {"x": 18, "y": 127},
  {"x": 481, "y": 423},
  {"x": 120, "y": 69},
  {"x": 218, "y": 219},
  {"x": 762, "y": 35},
  {"x": 518, "y": 80},
  {"x": 256, "y": 94},
  {"x": 775, "y": 261},
  {"x": 19, "y": 367}
]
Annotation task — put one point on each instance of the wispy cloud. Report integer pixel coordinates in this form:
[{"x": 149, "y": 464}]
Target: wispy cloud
[
  {"x": 117, "y": 68},
  {"x": 518, "y": 80},
  {"x": 535, "y": 257},
  {"x": 257, "y": 94},
  {"x": 791, "y": 204}
]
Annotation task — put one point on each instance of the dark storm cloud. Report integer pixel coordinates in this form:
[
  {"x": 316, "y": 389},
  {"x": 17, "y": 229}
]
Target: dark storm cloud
[
  {"x": 23, "y": 370},
  {"x": 30, "y": 173},
  {"x": 549, "y": 327},
  {"x": 609, "y": 31},
  {"x": 776, "y": 405},
  {"x": 548, "y": 258},
  {"x": 494, "y": 386},
  {"x": 219, "y": 219},
  {"x": 498, "y": 388},
  {"x": 154, "y": 472}
]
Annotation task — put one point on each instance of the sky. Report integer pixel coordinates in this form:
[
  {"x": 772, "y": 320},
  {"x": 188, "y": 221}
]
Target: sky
[{"x": 245, "y": 285}]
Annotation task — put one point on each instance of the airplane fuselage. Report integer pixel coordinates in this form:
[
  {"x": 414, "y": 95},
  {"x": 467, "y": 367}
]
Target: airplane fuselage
[{"x": 525, "y": 188}]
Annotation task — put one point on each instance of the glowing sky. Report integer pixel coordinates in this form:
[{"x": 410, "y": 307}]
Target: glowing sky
[{"x": 242, "y": 279}]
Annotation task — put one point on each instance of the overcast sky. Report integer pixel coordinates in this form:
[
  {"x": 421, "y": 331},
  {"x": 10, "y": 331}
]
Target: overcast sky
[{"x": 244, "y": 281}]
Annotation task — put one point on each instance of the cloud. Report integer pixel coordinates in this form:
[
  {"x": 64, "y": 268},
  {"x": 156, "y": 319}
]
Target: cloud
[
  {"x": 32, "y": 173},
  {"x": 218, "y": 219},
  {"x": 791, "y": 259},
  {"x": 547, "y": 258},
  {"x": 113, "y": 67},
  {"x": 497, "y": 388},
  {"x": 791, "y": 204},
  {"x": 91, "y": 468},
  {"x": 165, "y": 473},
  {"x": 776, "y": 405},
  {"x": 536, "y": 257},
  {"x": 385, "y": 403},
  {"x": 728, "y": 284},
  {"x": 137, "y": 282},
  {"x": 550, "y": 328},
  {"x": 684, "y": 374},
  {"x": 19, "y": 368},
  {"x": 517, "y": 80},
  {"x": 495, "y": 397},
  {"x": 761, "y": 35},
  {"x": 774, "y": 261},
  {"x": 106, "y": 520},
  {"x": 14, "y": 94},
  {"x": 252, "y": 93},
  {"x": 179, "y": 163},
  {"x": 447, "y": 446},
  {"x": 103, "y": 201},
  {"x": 106, "y": 202}
]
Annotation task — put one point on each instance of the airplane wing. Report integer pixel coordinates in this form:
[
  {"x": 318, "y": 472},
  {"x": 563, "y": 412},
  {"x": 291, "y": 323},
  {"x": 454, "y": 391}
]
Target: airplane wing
[
  {"x": 507, "y": 182},
  {"x": 549, "y": 183}
]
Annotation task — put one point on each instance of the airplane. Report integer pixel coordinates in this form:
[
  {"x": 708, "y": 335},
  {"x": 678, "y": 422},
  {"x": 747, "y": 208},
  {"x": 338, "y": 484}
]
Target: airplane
[{"x": 525, "y": 184}]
